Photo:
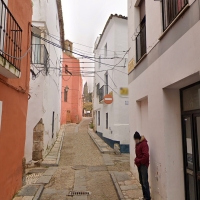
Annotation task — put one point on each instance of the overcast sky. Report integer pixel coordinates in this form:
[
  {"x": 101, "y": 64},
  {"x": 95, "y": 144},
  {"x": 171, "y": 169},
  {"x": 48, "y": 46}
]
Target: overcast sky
[{"x": 85, "y": 19}]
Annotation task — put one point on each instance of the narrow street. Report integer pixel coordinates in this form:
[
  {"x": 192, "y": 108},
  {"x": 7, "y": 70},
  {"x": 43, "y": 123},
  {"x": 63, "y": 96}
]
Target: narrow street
[{"x": 82, "y": 168}]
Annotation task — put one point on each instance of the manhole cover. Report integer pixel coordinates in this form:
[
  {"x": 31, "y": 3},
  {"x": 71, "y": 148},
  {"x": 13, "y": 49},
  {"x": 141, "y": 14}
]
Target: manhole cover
[
  {"x": 32, "y": 178},
  {"x": 79, "y": 193},
  {"x": 79, "y": 167}
]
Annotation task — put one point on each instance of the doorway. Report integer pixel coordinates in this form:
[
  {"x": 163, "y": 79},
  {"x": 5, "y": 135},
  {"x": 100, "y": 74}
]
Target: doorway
[{"x": 190, "y": 98}]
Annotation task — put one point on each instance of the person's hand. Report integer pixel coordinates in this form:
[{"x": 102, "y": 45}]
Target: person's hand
[{"x": 137, "y": 161}]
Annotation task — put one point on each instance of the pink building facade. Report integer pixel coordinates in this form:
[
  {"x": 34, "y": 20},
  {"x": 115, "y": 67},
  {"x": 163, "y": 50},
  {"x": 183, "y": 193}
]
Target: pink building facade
[{"x": 71, "y": 95}]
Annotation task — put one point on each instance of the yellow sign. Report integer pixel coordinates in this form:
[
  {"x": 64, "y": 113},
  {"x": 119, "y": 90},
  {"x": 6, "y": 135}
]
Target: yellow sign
[
  {"x": 131, "y": 65},
  {"x": 124, "y": 91}
]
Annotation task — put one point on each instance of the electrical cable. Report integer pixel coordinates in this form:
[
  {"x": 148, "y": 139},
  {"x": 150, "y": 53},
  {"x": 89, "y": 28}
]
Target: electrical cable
[
  {"x": 56, "y": 45},
  {"x": 17, "y": 58}
]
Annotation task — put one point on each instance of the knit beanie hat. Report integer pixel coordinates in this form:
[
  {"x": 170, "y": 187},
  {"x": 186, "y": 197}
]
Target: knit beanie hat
[{"x": 137, "y": 136}]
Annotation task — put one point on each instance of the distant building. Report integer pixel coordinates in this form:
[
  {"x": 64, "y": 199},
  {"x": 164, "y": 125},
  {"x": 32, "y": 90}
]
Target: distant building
[
  {"x": 111, "y": 121},
  {"x": 15, "y": 41},
  {"x": 71, "y": 100},
  {"x": 164, "y": 87},
  {"x": 85, "y": 93}
]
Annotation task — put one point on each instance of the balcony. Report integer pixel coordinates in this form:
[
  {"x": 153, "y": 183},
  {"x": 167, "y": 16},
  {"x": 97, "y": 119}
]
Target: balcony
[
  {"x": 40, "y": 57},
  {"x": 10, "y": 43},
  {"x": 141, "y": 48},
  {"x": 102, "y": 92}
]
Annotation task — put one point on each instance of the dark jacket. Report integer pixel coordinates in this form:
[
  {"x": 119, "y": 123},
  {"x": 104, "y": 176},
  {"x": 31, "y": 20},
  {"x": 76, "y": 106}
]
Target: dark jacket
[{"x": 142, "y": 153}]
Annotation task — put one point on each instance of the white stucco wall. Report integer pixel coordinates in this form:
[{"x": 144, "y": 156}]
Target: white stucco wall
[
  {"x": 155, "y": 105},
  {"x": 45, "y": 90},
  {"x": 116, "y": 37}
]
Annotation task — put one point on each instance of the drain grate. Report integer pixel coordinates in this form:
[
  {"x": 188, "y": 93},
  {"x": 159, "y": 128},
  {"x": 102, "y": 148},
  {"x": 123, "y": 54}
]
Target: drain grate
[{"x": 79, "y": 193}]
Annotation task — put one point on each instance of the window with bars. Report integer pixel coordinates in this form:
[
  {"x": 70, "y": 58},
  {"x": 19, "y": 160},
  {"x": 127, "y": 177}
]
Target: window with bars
[{"x": 170, "y": 9}]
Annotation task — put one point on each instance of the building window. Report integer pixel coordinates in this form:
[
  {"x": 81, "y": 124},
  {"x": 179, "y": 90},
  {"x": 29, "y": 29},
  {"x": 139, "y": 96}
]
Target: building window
[
  {"x": 69, "y": 48},
  {"x": 66, "y": 69},
  {"x": 98, "y": 118},
  {"x": 170, "y": 9},
  {"x": 141, "y": 37},
  {"x": 98, "y": 87},
  {"x": 106, "y": 120},
  {"x": 106, "y": 83},
  {"x": 66, "y": 94},
  {"x": 105, "y": 50},
  {"x": 99, "y": 61}
]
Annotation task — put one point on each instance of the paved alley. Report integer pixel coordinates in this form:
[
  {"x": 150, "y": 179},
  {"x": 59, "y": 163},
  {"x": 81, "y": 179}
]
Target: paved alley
[{"x": 82, "y": 168}]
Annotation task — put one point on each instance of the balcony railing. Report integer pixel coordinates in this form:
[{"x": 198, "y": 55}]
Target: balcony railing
[
  {"x": 170, "y": 9},
  {"x": 10, "y": 36},
  {"x": 40, "y": 56},
  {"x": 141, "y": 48},
  {"x": 102, "y": 92}
]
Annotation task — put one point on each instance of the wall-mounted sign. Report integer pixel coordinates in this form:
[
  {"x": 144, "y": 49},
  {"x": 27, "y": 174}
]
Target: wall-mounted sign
[
  {"x": 131, "y": 65},
  {"x": 124, "y": 91},
  {"x": 108, "y": 99}
]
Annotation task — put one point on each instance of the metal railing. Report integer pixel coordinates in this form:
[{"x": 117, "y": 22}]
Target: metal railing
[
  {"x": 141, "y": 48},
  {"x": 102, "y": 92},
  {"x": 40, "y": 55},
  {"x": 10, "y": 36},
  {"x": 170, "y": 9}
]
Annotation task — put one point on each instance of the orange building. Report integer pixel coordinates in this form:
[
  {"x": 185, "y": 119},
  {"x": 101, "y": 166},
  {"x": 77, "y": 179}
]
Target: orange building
[
  {"x": 72, "y": 102},
  {"x": 15, "y": 37}
]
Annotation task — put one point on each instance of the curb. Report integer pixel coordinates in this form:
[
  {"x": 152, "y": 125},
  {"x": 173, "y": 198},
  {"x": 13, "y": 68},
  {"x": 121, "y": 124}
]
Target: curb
[
  {"x": 61, "y": 144},
  {"x": 103, "y": 152},
  {"x": 95, "y": 142},
  {"x": 39, "y": 193},
  {"x": 117, "y": 188},
  {"x": 44, "y": 164}
]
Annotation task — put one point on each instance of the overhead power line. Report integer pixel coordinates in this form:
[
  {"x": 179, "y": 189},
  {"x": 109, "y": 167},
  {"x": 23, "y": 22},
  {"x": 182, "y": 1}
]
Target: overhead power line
[{"x": 59, "y": 46}]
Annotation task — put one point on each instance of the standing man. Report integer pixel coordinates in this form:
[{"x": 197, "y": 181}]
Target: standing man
[{"x": 142, "y": 162}]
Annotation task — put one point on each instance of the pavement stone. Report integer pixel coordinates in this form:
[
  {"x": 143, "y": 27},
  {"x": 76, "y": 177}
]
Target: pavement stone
[
  {"x": 97, "y": 168},
  {"x": 50, "y": 171},
  {"x": 44, "y": 179},
  {"x": 28, "y": 198},
  {"x": 28, "y": 190},
  {"x": 107, "y": 159}
]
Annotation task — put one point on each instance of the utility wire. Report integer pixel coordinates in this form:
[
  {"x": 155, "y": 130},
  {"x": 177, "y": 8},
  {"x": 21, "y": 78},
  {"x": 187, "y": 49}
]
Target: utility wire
[{"x": 52, "y": 43}]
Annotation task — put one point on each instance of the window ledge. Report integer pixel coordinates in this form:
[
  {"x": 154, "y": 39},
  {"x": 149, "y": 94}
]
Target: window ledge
[
  {"x": 174, "y": 21},
  {"x": 141, "y": 59}
]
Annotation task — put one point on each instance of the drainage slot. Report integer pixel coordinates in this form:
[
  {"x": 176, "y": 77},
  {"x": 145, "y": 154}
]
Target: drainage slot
[{"x": 79, "y": 193}]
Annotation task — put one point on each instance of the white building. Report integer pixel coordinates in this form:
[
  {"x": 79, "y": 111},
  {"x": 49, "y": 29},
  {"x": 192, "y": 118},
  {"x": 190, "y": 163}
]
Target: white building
[
  {"x": 111, "y": 121},
  {"x": 164, "y": 93},
  {"x": 43, "y": 119}
]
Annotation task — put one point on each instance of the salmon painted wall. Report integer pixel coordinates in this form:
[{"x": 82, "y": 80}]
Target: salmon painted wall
[
  {"x": 14, "y": 98},
  {"x": 74, "y": 101}
]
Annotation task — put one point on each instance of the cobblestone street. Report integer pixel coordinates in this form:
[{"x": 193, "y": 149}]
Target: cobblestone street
[{"x": 83, "y": 168}]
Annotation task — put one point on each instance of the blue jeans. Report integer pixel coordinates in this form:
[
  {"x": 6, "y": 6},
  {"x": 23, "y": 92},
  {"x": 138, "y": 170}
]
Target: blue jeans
[{"x": 143, "y": 176}]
